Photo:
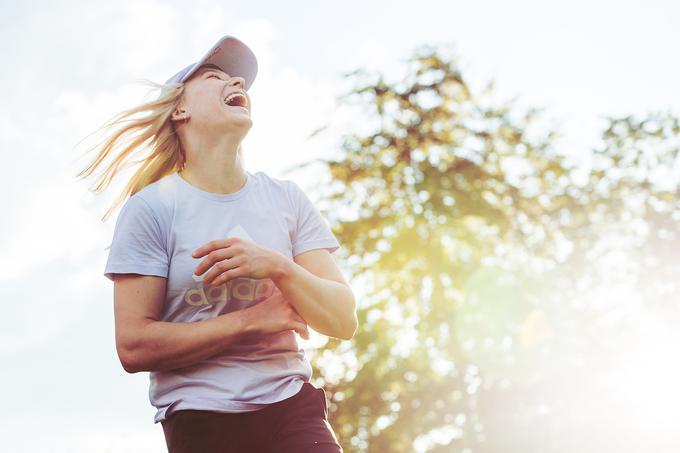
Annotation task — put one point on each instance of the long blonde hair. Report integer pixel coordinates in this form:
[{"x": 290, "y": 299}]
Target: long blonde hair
[{"x": 167, "y": 155}]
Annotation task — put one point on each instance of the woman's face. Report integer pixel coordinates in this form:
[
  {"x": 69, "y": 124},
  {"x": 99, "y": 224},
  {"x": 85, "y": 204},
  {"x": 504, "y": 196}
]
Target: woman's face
[{"x": 204, "y": 100}]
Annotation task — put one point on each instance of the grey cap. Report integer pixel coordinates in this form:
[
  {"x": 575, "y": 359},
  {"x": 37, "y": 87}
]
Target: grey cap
[{"x": 231, "y": 55}]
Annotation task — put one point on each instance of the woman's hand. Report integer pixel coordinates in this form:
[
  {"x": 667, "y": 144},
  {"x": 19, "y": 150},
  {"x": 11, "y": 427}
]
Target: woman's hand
[
  {"x": 273, "y": 315},
  {"x": 234, "y": 257}
]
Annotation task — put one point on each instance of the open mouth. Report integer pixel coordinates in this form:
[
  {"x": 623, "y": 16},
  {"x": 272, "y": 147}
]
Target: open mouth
[{"x": 236, "y": 100}]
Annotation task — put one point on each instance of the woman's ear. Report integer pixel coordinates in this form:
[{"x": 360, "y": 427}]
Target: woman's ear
[{"x": 180, "y": 114}]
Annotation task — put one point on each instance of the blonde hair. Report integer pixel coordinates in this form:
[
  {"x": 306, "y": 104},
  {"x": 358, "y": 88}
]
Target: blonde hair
[{"x": 167, "y": 155}]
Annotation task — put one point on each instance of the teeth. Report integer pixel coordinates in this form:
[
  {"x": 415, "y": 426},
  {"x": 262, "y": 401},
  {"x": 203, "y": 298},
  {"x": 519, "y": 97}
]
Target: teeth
[{"x": 233, "y": 96}]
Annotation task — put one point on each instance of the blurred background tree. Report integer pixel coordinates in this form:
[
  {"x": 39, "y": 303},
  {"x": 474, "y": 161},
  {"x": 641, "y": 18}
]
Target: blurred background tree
[{"x": 505, "y": 306}]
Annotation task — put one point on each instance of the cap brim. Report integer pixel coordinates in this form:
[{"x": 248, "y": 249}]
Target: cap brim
[{"x": 231, "y": 55}]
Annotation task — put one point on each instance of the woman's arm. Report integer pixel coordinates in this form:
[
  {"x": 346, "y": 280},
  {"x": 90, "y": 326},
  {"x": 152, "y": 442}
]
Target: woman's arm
[
  {"x": 328, "y": 306},
  {"x": 167, "y": 345},
  {"x": 144, "y": 343}
]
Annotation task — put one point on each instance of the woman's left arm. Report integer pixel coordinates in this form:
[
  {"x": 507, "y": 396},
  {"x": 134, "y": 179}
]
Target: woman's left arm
[{"x": 315, "y": 287}]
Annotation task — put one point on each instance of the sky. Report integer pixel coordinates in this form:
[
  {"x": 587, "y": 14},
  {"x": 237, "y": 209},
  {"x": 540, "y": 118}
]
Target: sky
[{"x": 70, "y": 66}]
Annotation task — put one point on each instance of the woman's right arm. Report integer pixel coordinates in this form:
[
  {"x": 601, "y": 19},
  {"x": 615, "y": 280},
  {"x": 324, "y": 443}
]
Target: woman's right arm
[{"x": 144, "y": 343}]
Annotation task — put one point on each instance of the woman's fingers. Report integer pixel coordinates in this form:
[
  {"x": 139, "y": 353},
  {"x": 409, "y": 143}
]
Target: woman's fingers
[
  {"x": 228, "y": 275},
  {"x": 230, "y": 257},
  {"x": 286, "y": 313},
  {"x": 214, "y": 245},
  {"x": 228, "y": 266},
  {"x": 209, "y": 261},
  {"x": 302, "y": 330},
  {"x": 302, "y": 325}
]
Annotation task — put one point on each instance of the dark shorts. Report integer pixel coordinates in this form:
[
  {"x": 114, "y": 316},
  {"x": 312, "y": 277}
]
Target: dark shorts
[{"x": 297, "y": 424}]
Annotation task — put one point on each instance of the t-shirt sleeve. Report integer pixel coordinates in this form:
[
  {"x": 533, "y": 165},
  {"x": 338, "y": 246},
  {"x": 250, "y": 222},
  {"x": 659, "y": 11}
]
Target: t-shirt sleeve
[
  {"x": 138, "y": 245},
  {"x": 311, "y": 231}
]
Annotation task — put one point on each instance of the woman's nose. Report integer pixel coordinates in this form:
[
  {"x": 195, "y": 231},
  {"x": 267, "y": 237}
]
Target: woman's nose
[{"x": 239, "y": 80}]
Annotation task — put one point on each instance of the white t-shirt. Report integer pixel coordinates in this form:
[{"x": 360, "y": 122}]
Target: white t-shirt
[{"x": 156, "y": 232}]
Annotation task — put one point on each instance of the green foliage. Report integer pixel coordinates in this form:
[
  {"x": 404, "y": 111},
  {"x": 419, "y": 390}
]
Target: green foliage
[{"x": 481, "y": 259}]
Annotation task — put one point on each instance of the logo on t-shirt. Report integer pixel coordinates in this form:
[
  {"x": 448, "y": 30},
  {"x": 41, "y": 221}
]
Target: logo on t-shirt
[{"x": 240, "y": 289}]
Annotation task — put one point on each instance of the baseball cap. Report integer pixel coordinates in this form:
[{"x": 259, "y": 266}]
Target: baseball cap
[{"x": 229, "y": 54}]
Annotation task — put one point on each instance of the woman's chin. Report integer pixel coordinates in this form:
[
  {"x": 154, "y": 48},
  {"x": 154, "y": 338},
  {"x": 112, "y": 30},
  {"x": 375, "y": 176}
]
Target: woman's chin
[{"x": 240, "y": 121}]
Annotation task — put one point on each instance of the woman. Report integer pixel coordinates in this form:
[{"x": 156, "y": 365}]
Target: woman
[{"x": 216, "y": 268}]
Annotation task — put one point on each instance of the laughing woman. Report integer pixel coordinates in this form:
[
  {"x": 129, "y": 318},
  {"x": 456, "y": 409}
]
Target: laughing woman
[{"x": 215, "y": 269}]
